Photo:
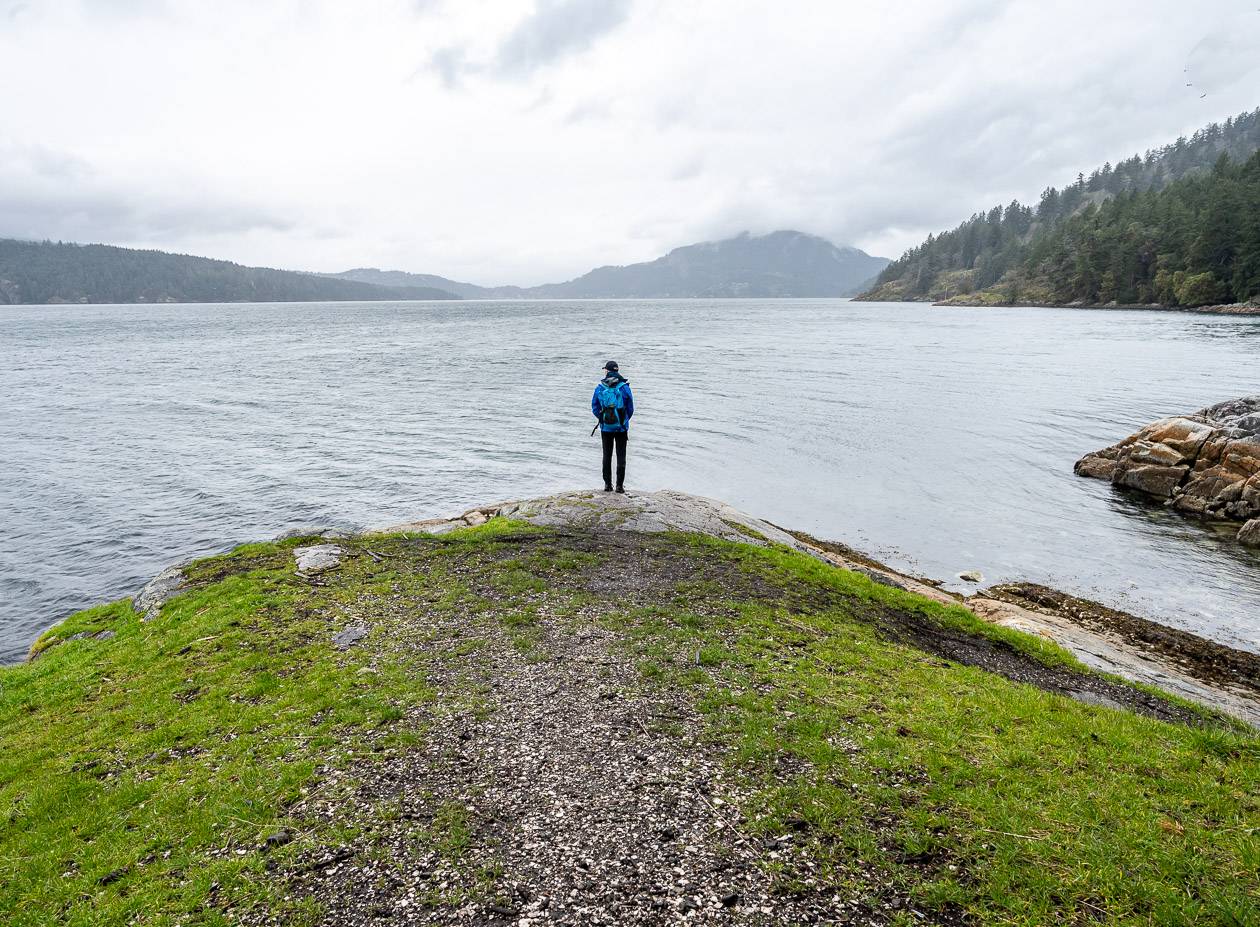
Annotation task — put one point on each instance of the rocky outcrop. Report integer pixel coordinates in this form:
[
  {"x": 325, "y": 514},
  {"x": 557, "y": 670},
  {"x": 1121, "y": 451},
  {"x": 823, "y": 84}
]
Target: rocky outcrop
[
  {"x": 1206, "y": 463},
  {"x": 157, "y": 591},
  {"x": 650, "y": 512}
]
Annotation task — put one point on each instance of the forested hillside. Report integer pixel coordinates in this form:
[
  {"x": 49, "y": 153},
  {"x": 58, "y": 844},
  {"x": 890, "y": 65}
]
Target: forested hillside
[
  {"x": 1004, "y": 252},
  {"x": 1194, "y": 243},
  {"x": 47, "y": 272}
]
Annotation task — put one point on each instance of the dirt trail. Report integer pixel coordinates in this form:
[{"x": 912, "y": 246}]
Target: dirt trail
[{"x": 579, "y": 797}]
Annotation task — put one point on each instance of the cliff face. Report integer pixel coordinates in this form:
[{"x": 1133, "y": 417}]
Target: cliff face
[{"x": 1206, "y": 463}]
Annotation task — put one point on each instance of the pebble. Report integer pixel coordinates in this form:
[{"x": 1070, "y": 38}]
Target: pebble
[{"x": 350, "y": 636}]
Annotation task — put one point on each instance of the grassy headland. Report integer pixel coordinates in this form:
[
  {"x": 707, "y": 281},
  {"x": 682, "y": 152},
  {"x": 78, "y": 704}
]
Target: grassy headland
[{"x": 226, "y": 763}]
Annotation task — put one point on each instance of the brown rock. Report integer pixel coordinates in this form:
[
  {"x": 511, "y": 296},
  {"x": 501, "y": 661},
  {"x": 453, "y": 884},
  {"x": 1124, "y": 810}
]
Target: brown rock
[
  {"x": 1097, "y": 466},
  {"x": 1206, "y": 463},
  {"x": 1152, "y": 479},
  {"x": 1249, "y": 533},
  {"x": 1182, "y": 436}
]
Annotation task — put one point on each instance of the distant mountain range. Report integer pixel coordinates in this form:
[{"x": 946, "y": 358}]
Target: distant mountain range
[
  {"x": 780, "y": 264},
  {"x": 53, "y": 272}
]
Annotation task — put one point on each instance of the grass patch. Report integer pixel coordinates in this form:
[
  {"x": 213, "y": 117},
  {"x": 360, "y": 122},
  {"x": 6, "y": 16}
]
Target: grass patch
[
  {"x": 140, "y": 775},
  {"x": 964, "y": 790}
]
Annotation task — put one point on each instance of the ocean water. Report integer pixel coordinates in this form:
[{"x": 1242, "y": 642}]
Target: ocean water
[{"x": 940, "y": 440}]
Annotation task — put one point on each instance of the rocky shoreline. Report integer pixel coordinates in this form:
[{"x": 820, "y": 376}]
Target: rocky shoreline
[
  {"x": 1107, "y": 640},
  {"x": 1204, "y": 464},
  {"x": 1247, "y": 308},
  {"x": 994, "y": 301}
]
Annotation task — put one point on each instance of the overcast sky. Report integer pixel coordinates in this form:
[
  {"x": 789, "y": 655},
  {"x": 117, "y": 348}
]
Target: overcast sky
[{"x": 524, "y": 141}]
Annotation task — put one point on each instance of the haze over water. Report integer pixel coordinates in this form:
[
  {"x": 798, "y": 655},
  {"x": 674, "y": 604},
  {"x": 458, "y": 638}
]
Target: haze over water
[{"x": 940, "y": 440}]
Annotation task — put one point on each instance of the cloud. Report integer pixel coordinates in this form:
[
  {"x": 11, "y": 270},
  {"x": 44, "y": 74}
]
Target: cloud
[
  {"x": 555, "y": 30},
  {"x": 452, "y": 65},
  {"x": 589, "y": 133},
  {"x": 102, "y": 218},
  {"x": 118, "y": 217},
  {"x": 688, "y": 169},
  {"x": 49, "y": 194},
  {"x": 1225, "y": 55},
  {"x": 588, "y": 111}
]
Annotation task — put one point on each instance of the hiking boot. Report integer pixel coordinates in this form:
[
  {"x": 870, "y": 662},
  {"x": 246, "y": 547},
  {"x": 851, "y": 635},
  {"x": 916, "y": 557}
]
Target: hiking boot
[
  {"x": 608, "y": 487},
  {"x": 621, "y": 489}
]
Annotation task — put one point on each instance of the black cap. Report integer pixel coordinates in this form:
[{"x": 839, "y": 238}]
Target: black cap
[{"x": 611, "y": 365}]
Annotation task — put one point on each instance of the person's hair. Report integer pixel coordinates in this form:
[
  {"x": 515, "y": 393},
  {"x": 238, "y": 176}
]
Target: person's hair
[{"x": 611, "y": 365}]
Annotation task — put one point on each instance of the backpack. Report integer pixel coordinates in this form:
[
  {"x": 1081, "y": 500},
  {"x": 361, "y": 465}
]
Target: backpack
[{"x": 611, "y": 404}]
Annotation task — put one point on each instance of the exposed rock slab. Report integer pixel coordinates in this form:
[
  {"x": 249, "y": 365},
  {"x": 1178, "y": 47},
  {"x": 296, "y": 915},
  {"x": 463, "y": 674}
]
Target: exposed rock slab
[
  {"x": 648, "y": 512},
  {"x": 1206, "y": 463},
  {"x": 318, "y": 558},
  {"x": 157, "y": 591},
  {"x": 311, "y": 531}
]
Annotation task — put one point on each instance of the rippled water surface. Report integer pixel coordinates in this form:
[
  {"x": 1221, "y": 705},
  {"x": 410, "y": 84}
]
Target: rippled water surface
[{"x": 941, "y": 440}]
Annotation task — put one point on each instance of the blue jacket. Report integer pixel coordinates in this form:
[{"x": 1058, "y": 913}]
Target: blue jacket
[{"x": 622, "y": 385}]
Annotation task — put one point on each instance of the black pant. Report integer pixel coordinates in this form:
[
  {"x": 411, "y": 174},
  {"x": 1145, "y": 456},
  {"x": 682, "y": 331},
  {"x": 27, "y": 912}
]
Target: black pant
[{"x": 617, "y": 438}]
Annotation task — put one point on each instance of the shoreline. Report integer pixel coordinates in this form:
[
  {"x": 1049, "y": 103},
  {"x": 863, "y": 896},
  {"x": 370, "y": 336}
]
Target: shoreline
[
  {"x": 1105, "y": 639},
  {"x": 1221, "y": 309},
  {"x": 1137, "y": 649},
  {"x": 1246, "y": 308}
]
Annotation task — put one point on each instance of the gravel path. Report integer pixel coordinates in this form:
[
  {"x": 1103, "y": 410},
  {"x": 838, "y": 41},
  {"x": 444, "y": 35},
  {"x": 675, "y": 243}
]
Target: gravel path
[{"x": 555, "y": 789}]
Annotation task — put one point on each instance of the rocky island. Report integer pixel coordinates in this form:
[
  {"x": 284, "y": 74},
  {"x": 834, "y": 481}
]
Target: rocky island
[
  {"x": 1206, "y": 463},
  {"x": 642, "y": 709}
]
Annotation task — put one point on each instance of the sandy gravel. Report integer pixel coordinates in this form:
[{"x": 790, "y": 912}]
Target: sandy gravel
[{"x": 588, "y": 798}]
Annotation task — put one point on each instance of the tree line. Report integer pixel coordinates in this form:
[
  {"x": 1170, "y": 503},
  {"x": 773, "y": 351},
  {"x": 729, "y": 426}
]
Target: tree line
[
  {"x": 1196, "y": 242},
  {"x": 1023, "y": 248},
  {"x": 57, "y": 272}
]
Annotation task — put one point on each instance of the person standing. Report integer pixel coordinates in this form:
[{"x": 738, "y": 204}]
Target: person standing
[{"x": 613, "y": 404}]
